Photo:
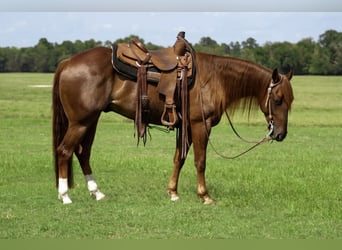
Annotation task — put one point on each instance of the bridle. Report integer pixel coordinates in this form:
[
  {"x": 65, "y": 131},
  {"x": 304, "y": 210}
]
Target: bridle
[
  {"x": 266, "y": 138},
  {"x": 269, "y": 106}
]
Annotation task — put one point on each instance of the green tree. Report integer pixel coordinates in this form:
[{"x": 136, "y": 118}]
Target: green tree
[
  {"x": 91, "y": 43},
  {"x": 331, "y": 44},
  {"x": 26, "y": 60},
  {"x": 304, "y": 57},
  {"x": 281, "y": 55},
  {"x": 225, "y": 48},
  {"x": 249, "y": 49},
  {"x": 305, "y": 49},
  {"x": 320, "y": 62},
  {"x": 43, "y": 61},
  {"x": 12, "y": 60},
  {"x": 129, "y": 39},
  {"x": 250, "y": 43},
  {"x": 235, "y": 49},
  {"x": 4, "y": 55},
  {"x": 151, "y": 46},
  {"x": 208, "y": 42},
  {"x": 208, "y": 45}
]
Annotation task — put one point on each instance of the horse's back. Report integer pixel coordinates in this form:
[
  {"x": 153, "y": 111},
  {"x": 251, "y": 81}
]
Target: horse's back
[{"x": 98, "y": 57}]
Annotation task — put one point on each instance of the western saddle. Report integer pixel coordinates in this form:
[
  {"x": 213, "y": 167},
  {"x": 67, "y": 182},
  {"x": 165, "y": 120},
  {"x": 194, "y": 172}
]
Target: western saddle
[{"x": 172, "y": 69}]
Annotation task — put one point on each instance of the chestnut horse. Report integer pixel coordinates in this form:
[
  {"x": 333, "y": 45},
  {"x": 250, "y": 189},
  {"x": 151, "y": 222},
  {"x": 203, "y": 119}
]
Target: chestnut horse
[{"x": 86, "y": 85}]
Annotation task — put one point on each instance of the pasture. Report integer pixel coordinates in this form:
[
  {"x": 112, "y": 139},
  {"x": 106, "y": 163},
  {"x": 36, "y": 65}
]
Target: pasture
[{"x": 287, "y": 190}]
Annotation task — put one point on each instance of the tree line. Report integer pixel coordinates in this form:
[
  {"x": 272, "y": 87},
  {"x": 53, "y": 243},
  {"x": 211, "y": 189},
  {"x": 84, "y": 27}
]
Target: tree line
[{"x": 321, "y": 57}]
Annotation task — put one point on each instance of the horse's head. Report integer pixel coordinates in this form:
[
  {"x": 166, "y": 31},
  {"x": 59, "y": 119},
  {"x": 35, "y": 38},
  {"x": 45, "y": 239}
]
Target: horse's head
[{"x": 277, "y": 103}]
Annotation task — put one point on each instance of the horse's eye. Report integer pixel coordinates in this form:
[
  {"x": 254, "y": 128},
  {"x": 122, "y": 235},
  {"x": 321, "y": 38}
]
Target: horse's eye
[{"x": 278, "y": 102}]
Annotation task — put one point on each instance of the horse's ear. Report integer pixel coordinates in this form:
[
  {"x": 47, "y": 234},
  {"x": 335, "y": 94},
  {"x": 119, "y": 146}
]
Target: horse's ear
[
  {"x": 289, "y": 75},
  {"x": 275, "y": 76}
]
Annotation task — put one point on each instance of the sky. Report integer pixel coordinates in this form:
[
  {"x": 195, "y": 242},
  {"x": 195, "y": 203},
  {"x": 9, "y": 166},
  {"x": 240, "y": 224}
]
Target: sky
[{"x": 24, "y": 22}]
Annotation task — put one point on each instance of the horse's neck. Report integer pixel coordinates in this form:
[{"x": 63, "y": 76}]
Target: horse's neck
[{"x": 242, "y": 79}]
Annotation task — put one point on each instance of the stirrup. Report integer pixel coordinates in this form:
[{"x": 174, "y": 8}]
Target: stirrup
[{"x": 174, "y": 113}]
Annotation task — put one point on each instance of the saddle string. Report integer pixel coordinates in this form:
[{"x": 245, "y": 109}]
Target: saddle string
[
  {"x": 265, "y": 139},
  {"x": 142, "y": 100}
]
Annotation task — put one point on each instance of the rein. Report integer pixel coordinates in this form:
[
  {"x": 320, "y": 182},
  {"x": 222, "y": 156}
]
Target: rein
[
  {"x": 266, "y": 138},
  {"x": 235, "y": 131}
]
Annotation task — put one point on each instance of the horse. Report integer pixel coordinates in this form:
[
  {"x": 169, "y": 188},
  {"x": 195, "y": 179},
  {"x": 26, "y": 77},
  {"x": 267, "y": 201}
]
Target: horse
[{"x": 85, "y": 85}]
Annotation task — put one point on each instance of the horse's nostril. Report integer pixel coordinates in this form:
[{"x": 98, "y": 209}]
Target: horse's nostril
[{"x": 280, "y": 137}]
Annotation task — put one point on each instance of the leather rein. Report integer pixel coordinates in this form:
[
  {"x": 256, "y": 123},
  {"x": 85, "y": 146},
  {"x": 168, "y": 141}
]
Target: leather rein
[{"x": 266, "y": 138}]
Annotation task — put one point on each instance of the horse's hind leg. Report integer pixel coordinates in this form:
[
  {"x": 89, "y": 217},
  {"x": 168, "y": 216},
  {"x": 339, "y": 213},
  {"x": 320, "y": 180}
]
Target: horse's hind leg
[
  {"x": 83, "y": 154},
  {"x": 65, "y": 151}
]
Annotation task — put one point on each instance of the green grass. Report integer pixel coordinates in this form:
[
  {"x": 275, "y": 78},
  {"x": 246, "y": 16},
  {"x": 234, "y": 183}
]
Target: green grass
[{"x": 288, "y": 190}]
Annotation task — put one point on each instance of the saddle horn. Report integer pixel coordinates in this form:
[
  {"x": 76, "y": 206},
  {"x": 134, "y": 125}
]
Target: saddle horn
[{"x": 180, "y": 45}]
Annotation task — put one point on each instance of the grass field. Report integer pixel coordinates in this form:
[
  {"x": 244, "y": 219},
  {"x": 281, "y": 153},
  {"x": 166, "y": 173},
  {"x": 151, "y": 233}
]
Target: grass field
[{"x": 288, "y": 190}]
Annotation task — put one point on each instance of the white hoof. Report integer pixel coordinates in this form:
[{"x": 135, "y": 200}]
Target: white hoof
[
  {"x": 97, "y": 195},
  {"x": 207, "y": 200},
  {"x": 174, "y": 197},
  {"x": 64, "y": 198}
]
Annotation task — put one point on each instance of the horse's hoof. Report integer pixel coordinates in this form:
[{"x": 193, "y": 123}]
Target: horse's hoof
[
  {"x": 97, "y": 195},
  {"x": 173, "y": 194},
  {"x": 207, "y": 200},
  {"x": 64, "y": 198},
  {"x": 174, "y": 197}
]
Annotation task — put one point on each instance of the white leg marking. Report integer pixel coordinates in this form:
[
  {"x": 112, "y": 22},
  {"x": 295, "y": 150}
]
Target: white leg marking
[
  {"x": 63, "y": 191},
  {"x": 174, "y": 197},
  {"x": 98, "y": 195},
  {"x": 92, "y": 187}
]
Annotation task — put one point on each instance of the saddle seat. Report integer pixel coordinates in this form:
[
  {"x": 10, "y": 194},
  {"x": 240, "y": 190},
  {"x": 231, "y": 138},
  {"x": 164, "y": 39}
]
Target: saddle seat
[
  {"x": 134, "y": 55},
  {"x": 165, "y": 59}
]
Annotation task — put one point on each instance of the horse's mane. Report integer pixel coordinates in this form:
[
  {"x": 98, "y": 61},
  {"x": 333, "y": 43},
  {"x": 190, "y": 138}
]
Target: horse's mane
[{"x": 237, "y": 83}]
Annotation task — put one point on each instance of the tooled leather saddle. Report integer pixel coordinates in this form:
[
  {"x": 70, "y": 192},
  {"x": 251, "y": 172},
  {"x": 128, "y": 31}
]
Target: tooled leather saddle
[{"x": 172, "y": 69}]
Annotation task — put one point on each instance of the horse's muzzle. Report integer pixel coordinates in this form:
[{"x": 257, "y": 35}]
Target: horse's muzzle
[
  {"x": 273, "y": 134},
  {"x": 279, "y": 137}
]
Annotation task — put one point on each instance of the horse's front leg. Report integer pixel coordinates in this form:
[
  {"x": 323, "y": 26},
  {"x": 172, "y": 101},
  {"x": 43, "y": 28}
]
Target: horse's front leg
[
  {"x": 173, "y": 183},
  {"x": 177, "y": 167},
  {"x": 200, "y": 136}
]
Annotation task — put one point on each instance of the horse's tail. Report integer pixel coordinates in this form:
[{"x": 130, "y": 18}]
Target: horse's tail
[{"x": 59, "y": 124}]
